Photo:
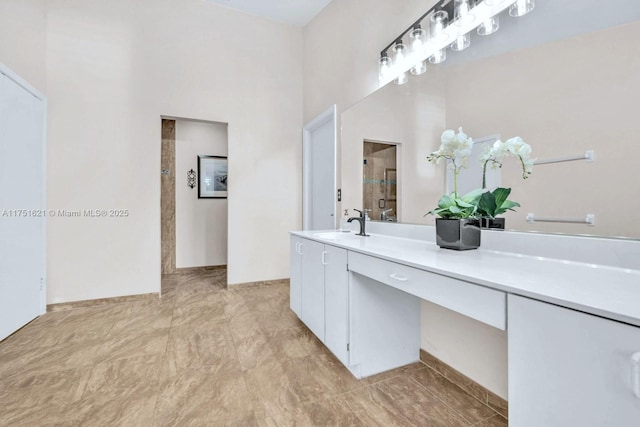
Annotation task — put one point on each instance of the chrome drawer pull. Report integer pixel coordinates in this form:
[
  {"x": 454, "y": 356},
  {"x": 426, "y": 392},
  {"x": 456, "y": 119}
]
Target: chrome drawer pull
[{"x": 398, "y": 278}]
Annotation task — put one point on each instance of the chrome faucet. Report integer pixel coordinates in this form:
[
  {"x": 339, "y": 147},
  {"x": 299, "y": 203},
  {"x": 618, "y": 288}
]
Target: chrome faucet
[
  {"x": 361, "y": 219},
  {"x": 383, "y": 214}
]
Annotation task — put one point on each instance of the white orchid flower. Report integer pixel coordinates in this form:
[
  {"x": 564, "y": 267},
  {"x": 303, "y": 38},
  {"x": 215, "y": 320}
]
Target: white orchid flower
[
  {"x": 513, "y": 146},
  {"x": 524, "y": 150},
  {"x": 447, "y": 137},
  {"x": 456, "y": 148}
]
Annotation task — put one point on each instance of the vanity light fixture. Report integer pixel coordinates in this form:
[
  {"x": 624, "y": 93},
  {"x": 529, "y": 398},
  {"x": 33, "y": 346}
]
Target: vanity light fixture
[{"x": 468, "y": 15}]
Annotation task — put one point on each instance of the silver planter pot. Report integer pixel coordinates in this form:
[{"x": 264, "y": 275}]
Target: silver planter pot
[
  {"x": 458, "y": 234},
  {"x": 493, "y": 223}
]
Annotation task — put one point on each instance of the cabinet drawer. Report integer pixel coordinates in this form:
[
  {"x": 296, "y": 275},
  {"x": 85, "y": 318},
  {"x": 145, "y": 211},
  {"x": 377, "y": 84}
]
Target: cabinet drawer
[{"x": 485, "y": 305}]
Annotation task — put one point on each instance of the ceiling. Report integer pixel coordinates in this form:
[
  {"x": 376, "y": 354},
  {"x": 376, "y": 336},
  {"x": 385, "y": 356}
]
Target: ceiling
[{"x": 293, "y": 12}]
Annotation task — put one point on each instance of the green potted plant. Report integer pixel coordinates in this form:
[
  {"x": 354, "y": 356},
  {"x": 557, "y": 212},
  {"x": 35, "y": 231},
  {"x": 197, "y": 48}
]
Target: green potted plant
[
  {"x": 458, "y": 226},
  {"x": 461, "y": 217},
  {"x": 494, "y": 203}
]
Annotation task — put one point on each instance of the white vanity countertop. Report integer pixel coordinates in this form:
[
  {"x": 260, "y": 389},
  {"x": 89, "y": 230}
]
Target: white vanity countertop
[{"x": 605, "y": 291}]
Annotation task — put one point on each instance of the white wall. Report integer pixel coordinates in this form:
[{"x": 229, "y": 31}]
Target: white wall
[
  {"x": 113, "y": 69},
  {"x": 23, "y": 39},
  {"x": 383, "y": 117},
  {"x": 473, "y": 348},
  {"x": 582, "y": 105},
  {"x": 342, "y": 45},
  {"x": 201, "y": 224}
]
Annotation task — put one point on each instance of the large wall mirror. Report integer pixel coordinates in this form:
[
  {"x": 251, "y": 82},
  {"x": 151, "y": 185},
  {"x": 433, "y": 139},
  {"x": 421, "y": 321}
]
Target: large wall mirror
[{"x": 575, "y": 92}]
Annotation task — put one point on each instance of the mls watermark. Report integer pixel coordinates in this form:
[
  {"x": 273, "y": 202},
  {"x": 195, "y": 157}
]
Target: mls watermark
[{"x": 64, "y": 213}]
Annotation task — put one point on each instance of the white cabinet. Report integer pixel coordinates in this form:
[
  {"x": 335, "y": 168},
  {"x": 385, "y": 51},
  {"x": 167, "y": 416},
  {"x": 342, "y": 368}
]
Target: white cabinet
[
  {"x": 312, "y": 287},
  {"x": 319, "y": 292},
  {"x": 567, "y": 368},
  {"x": 336, "y": 292},
  {"x": 483, "y": 304}
]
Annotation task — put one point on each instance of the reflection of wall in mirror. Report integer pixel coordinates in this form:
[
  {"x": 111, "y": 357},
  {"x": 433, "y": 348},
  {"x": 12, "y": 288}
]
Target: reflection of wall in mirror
[
  {"x": 563, "y": 98},
  {"x": 470, "y": 178},
  {"x": 413, "y": 117}
]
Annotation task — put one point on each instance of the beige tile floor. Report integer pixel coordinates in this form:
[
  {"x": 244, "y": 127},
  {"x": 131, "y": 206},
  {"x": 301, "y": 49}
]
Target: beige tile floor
[{"x": 203, "y": 355}]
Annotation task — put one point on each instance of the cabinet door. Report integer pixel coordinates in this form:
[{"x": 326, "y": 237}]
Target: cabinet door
[
  {"x": 295, "y": 279},
  {"x": 336, "y": 291},
  {"x": 312, "y": 287},
  {"x": 568, "y": 368}
]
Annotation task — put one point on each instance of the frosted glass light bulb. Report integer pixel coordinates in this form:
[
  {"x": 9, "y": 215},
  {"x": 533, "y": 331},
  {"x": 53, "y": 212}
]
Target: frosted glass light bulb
[
  {"x": 489, "y": 26},
  {"x": 521, "y": 7},
  {"x": 438, "y": 57},
  {"x": 417, "y": 37},
  {"x": 384, "y": 68},
  {"x": 438, "y": 22},
  {"x": 400, "y": 56},
  {"x": 401, "y": 79},
  {"x": 461, "y": 43},
  {"x": 419, "y": 68},
  {"x": 400, "y": 62},
  {"x": 462, "y": 12}
]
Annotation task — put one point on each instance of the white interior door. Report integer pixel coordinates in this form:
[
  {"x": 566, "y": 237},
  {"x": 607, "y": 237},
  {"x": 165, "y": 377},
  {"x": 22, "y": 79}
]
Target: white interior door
[
  {"x": 22, "y": 205},
  {"x": 319, "y": 172}
]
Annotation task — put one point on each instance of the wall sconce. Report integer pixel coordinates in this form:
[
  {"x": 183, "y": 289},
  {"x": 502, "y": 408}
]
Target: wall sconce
[
  {"x": 481, "y": 15},
  {"x": 191, "y": 179}
]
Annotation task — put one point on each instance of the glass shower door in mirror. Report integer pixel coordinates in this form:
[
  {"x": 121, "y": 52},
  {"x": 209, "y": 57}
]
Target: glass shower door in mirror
[{"x": 379, "y": 183}]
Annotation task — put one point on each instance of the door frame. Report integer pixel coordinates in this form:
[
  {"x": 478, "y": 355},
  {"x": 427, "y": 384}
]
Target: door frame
[
  {"x": 172, "y": 172},
  {"x": 328, "y": 115}
]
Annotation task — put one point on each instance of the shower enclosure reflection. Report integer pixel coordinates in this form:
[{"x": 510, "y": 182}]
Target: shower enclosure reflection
[{"x": 379, "y": 183}]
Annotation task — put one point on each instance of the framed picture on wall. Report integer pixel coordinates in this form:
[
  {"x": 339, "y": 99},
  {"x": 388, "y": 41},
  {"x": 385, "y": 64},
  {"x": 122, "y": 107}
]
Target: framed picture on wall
[{"x": 212, "y": 177}]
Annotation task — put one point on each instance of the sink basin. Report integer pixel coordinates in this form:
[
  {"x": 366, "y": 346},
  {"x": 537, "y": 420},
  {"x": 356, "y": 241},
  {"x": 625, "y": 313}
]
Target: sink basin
[{"x": 336, "y": 235}]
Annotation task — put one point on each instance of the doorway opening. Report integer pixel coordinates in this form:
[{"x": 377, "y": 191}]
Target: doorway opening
[
  {"x": 194, "y": 217},
  {"x": 380, "y": 181}
]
